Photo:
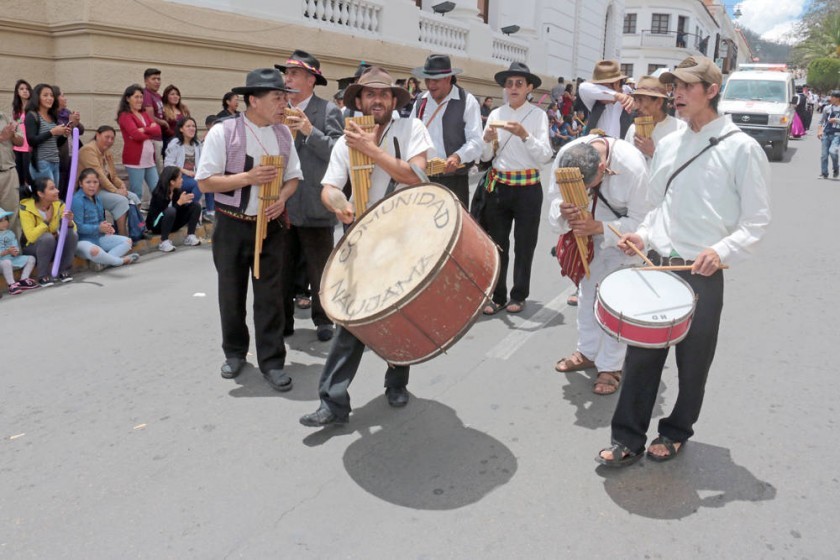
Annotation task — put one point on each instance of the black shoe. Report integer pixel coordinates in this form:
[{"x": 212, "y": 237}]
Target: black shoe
[
  {"x": 232, "y": 367},
  {"x": 835, "y": 174},
  {"x": 65, "y": 277},
  {"x": 279, "y": 380},
  {"x": 322, "y": 417},
  {"x": 397, "y": 396},
  {"x": 325, "y": 332},
  {"x": 288, "y": 331},
  {"x": 46, "y": 281}
]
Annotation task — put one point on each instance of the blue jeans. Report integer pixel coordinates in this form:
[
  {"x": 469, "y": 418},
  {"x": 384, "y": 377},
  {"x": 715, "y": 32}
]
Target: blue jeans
[
  {"x": 191, "y": 186},
  {"x": 827, "y": 141},
  {"x": 112, "y": 248},
  {"x": 136, "y": 176},
  {"x": 44, "y": 169}
]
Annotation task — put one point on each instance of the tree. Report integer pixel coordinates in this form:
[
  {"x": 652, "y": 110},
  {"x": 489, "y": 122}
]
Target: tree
[
  {"x": 824, "y": 74},
  {"x": 822, "y": 40}
]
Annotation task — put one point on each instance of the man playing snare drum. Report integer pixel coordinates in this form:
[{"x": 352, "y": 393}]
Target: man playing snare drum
[
  {"x": 374, "y": 94},
  {"x": 711, "y": 207}
]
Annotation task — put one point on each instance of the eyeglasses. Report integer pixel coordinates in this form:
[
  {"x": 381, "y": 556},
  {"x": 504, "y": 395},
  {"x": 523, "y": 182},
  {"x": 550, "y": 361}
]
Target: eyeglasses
[{"x": 510, "y": 83}]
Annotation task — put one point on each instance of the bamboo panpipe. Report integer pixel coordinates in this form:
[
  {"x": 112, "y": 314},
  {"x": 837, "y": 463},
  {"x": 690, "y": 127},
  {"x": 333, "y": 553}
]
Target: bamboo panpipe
[
  {"x": 291, "y": 112},
  {"x": 269, "y": 193},
  {"x": 644, "y": 127},
  {"x": 361, "y": 166},
  {"x": 437, "y": 166},
  {"x": 572, "y": 189}
]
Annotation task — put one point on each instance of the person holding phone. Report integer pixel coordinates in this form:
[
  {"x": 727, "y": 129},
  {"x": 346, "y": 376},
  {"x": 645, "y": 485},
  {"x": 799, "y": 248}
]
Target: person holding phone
[{"x": 172, "y": 208}]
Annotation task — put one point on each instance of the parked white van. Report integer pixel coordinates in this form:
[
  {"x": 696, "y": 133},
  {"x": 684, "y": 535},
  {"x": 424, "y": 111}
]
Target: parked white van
[{"x": 761, "y": 100}]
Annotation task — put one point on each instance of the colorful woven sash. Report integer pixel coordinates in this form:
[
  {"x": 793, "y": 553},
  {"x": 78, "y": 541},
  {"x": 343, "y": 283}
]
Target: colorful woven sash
[{"x": 521, "y": 178}]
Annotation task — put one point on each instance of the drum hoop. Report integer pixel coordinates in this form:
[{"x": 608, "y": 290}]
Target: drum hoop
[
  {"x": 430, "y": 276},
  {"x": 642, "y": 323}
]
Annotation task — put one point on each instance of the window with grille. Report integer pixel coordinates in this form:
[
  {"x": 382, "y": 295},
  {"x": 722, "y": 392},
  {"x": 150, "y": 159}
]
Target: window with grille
[
  {"x": 659, "y": 23},
  {"x": 629, "y": 23},
  {"x": 627, "y": 69}
]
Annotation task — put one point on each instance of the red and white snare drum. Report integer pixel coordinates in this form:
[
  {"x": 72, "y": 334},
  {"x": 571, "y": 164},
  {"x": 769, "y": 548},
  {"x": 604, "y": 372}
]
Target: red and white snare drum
[
  {"x": 645, "y": 308},
  {"x": 411, "y": 275}
]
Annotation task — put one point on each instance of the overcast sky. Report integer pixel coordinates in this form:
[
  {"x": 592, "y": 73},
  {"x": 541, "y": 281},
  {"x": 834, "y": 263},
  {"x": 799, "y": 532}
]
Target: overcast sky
[{"x": 772, "y": 19}]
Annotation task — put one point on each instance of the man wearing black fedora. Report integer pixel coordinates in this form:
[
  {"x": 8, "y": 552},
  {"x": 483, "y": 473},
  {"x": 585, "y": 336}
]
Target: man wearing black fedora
[
  {"x": 453, "y": 119},
  {"x": 310, "y": 238},
  {"x": 394, "y": 146},
  {"x": 516, "y": 140},
  {"x": 230, "y": 167},
  {"x": 609, "y": 108}
]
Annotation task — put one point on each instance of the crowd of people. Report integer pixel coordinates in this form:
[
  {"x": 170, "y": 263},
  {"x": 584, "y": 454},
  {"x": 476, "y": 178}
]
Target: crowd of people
[{"x": 645, "y": 195}]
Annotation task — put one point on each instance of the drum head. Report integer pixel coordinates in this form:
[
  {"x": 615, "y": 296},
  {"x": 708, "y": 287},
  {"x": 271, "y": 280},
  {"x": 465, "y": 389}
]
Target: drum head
[
  {"x": 390, "y": 252},
  {"x": 646, "y": 296}
]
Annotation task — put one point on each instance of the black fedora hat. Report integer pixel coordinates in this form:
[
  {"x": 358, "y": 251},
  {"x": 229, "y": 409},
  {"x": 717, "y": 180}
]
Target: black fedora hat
[
  {"x": 518, "y": 69},
  {"x": 436, "y": 66},
  {"x": 302, "y": 59},
  {"x": 359, "y": 71},
  {"x": 263, "y": 79}
]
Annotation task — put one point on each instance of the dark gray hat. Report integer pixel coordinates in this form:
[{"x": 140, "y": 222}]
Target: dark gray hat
[
  {"x": 263, "y": 79},
  {"x": 518, "y": 69}
]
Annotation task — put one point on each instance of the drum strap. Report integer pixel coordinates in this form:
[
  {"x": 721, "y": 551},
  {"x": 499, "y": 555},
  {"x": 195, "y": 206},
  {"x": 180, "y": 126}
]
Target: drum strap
[{"x": 712, "y": 143}]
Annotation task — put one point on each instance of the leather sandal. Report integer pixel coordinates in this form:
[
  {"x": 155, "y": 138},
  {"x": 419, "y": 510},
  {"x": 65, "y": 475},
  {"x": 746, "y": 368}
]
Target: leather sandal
[
  {"x": 668, "y": 443},
  {"x": 492, "y": 308},
  {"x": 575, "y": 362},
  {"x": 607, "y": 382},
  {"x": 620, "y": 456}
]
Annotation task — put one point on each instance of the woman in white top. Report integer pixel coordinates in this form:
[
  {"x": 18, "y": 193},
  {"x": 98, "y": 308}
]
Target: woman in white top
[{"x": 184, "y": 152}]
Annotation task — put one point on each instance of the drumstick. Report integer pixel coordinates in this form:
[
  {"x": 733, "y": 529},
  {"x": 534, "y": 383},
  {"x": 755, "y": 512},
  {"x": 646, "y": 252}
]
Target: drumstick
[
  {"x": 632, "y": 246},
  {"x": 676, "y": 267}
]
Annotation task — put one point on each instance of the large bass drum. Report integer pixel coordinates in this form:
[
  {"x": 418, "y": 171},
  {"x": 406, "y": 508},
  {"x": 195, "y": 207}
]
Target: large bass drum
[{"x": 410, "y": 277}]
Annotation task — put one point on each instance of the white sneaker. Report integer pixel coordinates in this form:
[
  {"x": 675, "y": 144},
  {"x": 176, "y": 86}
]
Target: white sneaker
[
  {"x": 166, "y": 246},
  {"x": 191, "y": 241}
]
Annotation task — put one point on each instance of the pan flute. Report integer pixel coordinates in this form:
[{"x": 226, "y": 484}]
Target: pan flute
[
  {"x": 573, "y": 190},
  {"x": 644, "y": 127},
  {"x": 269, "y": 194},
  {"x": 291, "y": 112},
  {"x": 361, "y": 166},
  {"x": 437, "y": 166}
]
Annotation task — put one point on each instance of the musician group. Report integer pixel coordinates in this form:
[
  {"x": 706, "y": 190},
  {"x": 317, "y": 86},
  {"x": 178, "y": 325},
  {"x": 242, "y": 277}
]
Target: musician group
[{"x": 688, "y": 193}]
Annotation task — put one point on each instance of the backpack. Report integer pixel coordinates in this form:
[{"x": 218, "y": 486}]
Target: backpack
[{"x": 136, "y": 224}]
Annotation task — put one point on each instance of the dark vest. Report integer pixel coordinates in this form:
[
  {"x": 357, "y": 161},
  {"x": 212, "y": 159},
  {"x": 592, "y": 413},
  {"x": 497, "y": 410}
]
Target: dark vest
[
  {"x": 454, "y": 130},
  {"x": 625, "y": 120}
]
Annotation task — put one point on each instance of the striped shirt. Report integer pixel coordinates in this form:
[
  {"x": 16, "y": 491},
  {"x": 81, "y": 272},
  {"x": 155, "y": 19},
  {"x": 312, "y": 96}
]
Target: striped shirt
[{"x": 48, "y": 150}]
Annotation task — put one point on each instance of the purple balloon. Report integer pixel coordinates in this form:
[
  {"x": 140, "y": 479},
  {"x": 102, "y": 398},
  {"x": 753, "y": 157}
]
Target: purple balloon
[{"x": 68, "y": 203}]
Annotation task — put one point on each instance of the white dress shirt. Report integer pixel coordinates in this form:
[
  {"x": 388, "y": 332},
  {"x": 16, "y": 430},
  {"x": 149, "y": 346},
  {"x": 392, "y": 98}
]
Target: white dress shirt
[
  {"x": 514, "y": 154},
  {"x": 720, "y": 200},
  {"x": 660, "y": 131},
  {"x": 471, "y": 150},
  {"x": 610, "y": 121}
]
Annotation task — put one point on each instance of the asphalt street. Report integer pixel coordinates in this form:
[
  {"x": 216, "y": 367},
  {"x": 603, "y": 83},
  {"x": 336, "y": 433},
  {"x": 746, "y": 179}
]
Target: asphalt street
[{"x": 119, "y": 439}]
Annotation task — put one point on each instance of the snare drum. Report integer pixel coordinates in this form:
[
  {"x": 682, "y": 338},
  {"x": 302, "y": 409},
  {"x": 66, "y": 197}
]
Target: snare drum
[
  {"x": 411, "y": 276},
  {"x": 645, "y": 308}
]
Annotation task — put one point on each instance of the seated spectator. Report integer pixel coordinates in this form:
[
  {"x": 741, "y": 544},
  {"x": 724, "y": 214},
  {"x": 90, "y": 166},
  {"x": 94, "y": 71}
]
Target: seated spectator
[
  {"x": 113, "y": 193},
  {"x": 184, "y": 152},
  {"x": 11, "y": 258},
  {"x": 171, "y": 209},
  {"x": 565, "y": 133},
  {"x": 97, "y": 242},
  {"x": 230, "y": 102},
  {"x": 173, "y": 111},
  {"x": 40, "y": 219}
]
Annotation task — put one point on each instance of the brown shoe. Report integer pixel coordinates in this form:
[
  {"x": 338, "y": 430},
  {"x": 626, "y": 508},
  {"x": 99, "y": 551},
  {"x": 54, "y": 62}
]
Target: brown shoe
[
  {"x": 575, "y": 362},
  {"x": 607, "y": 382}
]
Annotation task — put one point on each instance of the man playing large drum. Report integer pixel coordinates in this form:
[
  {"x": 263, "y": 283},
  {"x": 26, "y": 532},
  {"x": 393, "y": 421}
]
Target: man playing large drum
[
  {"x": 393, "y": 145},
  {"x": 617, "y": 174},
  {"x": 709, "y": 187}
]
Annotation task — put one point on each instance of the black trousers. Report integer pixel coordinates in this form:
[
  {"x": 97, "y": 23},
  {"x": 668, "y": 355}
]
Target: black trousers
[
  {"x": 341, "y": 367},
  {"x": 176, "y": 217},
  {"x": 643, "y": 371},
  {"x": 517, "y": 208},
  {"x": 458, "y": 184},
  {"x": 313, "y": 245},
  {"x": 233, "y": 255}
]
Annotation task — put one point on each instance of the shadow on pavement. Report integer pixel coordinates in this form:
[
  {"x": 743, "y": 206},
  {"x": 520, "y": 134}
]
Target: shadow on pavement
[
  {"x": 702, "y": 476},
  {"x": 595, "y": 411},
  {"x": 422, "y": 456},
  {"x": 304, "y": 378}
]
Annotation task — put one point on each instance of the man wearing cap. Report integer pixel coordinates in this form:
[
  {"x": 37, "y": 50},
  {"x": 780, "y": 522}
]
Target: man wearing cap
[
  {"x": 513, "y": 188},
  {"x": 230, "y": 168},
  {"x": 652, "y": 101},
  {"x": 453, "y": 118},
  {"x": 609, "y": 108},
  {"x": 394, "y": 146},
  {"x": 708, "y": 188},
  {"x": 310, "y": 236}
]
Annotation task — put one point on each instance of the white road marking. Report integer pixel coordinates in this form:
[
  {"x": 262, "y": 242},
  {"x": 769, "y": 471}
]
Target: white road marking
[{"x": 531, "y": 326}]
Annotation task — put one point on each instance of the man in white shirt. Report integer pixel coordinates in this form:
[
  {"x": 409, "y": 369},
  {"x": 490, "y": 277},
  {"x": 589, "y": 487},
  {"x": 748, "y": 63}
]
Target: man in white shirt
[
  {"x": 609, "y": 107},
  {"x": 516, "y": 139},
  {"x": 374, "y": 94},
  {"x": 711, "y": 206},
  {"x": 651, "y": 101},
  {"x": 616, "y": 173},
  {"x": 230, "y": 167},
  {"x": 453, "y": 118}
]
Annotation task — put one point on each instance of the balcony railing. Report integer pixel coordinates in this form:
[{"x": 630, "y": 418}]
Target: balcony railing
[
  {"x": 509, "y": 50},
  {"x": 667, "y": 40},
  {"x": 351, "y": 15},
  {"x": 436, "y": 33}
]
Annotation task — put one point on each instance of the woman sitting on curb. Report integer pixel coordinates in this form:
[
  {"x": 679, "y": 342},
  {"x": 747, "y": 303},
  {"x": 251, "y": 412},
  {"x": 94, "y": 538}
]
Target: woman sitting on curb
[
  {"x": 171, "y": 209},
  {"x": 97, "y": 242},
  {"x": 40, "y": 219}
]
